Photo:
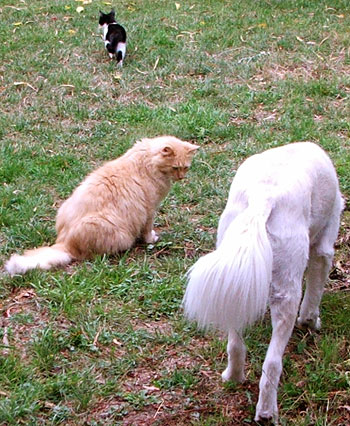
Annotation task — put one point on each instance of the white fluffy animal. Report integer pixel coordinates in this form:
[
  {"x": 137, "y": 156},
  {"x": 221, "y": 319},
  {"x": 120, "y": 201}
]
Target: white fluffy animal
[{"x": 282, "y": 214}]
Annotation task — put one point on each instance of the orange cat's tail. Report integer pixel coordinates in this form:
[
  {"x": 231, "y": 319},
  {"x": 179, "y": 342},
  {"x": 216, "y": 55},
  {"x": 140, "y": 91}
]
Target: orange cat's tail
[{"x": 42, "y": 258}]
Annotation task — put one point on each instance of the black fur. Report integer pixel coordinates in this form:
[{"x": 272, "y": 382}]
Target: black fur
[{"x": 115, "y": 34}]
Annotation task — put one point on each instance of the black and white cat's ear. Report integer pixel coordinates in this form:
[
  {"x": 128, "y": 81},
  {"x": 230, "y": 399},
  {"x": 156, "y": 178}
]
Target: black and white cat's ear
[
  {"x": 167, "y": 151},
  {"x": 112, "y": 13}
]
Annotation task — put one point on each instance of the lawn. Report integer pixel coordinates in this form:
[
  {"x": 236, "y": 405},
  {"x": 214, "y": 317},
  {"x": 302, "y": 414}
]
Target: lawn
[{"x": 104, "y": 342}]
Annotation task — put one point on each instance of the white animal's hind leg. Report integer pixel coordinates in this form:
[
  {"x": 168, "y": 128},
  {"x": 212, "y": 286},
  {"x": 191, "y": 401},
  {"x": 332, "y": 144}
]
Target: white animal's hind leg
[
  {"x": 284, "y": 305},
  {"x": 236, "y": 353},
  {"x": 316, "y": 277},
  {"x": 320, "y": 262}
]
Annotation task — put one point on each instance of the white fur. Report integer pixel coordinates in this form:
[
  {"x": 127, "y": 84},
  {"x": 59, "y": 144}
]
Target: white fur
[
  {"x": 46, "y": 258},
  {"x": 121, "y": 47},
  {"x": 241, "y": 265},
  {"x": 106, "y": 42},
  {"x": 282, "y": 213},
  {"x": 152, "y": 237},
  {"x": 105, "y": 31}
]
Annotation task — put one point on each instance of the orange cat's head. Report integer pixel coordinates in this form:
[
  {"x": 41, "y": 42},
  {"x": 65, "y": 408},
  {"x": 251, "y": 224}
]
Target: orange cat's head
[{"x": 171, "y": 156}]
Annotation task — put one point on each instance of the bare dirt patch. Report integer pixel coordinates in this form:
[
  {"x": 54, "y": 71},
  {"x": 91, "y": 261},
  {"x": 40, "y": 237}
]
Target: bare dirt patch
[
  {"x": 22, "y": 315},
  {"x": 340, "y": 273}
]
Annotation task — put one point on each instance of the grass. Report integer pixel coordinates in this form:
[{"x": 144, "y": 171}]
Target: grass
[{"x": 104, "y": 341}]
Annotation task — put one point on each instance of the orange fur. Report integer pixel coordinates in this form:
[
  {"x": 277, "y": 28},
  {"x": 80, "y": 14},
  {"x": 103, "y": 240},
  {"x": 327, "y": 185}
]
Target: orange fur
[{"x": 114, "y": 205}]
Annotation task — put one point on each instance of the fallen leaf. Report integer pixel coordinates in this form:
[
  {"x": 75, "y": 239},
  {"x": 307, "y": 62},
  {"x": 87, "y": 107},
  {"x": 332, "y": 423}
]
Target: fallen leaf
[
  {"x": 117, "y": 76},
  {"x": 177, "y": 5},
  {"x": 71, "y": 31},
  {"x": 325, "y": 39},
  {"x": 24, "y": 83},
  {"x": 17, "y": 24},
  {"x": 25, "y": 294},
  {"x": 48, "y": 404},
  {"x": 156, "y": 63},
  {"x": 262, "y": 25},
  {"x": 151, "y": 388},
  {"x": 67, "y": 7},
  {"x": 79, "y": 9}
]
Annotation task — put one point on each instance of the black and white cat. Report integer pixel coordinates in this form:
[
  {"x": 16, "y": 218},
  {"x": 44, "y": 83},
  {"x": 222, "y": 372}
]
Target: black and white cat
[{"x": 114, "y": 36}]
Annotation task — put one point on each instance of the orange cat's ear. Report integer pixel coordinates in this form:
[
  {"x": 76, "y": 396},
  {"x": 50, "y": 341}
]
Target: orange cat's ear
[
  {"x": 167, "y": 151},
  {"x": 193, "y": 147}
]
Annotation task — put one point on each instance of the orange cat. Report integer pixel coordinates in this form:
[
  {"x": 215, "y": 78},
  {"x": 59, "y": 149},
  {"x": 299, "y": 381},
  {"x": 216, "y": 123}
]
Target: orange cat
[{"x": 113, "y": 206}]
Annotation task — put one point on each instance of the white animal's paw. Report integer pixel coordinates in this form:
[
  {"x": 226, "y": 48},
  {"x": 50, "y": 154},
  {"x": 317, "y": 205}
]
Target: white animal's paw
[
  {"x": 266, "y": 408},
  {"x": 318, "y": 324},
  {"x": 266, "y": 417},
  {"x": 152, "y": 237},
  {"x": 230, "y": 375},
  {"x": 267, "y": 413},
  {"x": 314, "y": 324}
]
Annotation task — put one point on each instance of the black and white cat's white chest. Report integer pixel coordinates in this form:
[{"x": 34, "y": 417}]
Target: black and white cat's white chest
[{"x": 114, "y": 36}]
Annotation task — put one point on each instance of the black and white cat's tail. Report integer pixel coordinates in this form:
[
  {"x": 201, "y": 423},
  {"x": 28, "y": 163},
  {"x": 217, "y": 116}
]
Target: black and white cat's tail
[{"x": 119, "y": 56}]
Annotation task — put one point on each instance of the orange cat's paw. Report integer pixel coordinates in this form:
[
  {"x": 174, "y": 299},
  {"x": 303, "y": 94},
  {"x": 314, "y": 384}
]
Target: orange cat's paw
[{"x": 152, "y": 237}]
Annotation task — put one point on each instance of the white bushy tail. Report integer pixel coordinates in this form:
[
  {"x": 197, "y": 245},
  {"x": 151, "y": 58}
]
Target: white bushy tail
[
  {"x": 42, "y": 258},
  {"x": 229, "y": 288}
]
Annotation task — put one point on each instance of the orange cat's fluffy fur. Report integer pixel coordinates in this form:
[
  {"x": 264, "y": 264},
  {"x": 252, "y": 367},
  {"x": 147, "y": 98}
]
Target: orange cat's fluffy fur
[{"x": 113, "y": 206}]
